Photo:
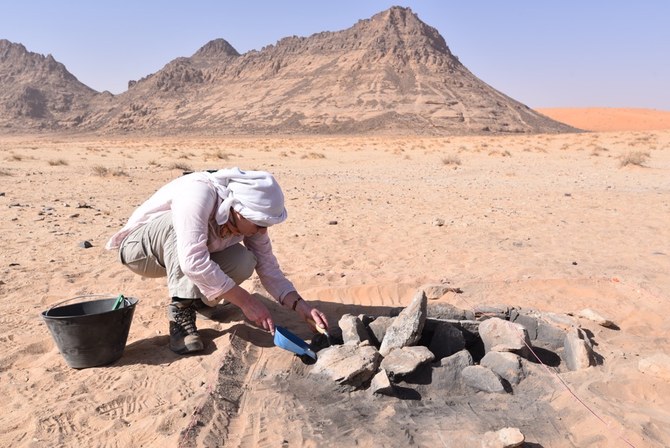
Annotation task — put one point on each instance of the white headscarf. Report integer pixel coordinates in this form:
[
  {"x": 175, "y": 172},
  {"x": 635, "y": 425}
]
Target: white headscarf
[{"x": 256, "y": 195}]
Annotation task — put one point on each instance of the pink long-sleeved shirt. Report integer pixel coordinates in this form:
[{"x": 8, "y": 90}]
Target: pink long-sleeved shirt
[{"x": 193, "y": 202}]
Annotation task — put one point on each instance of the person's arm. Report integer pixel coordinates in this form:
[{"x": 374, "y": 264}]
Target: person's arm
[
  {"x": 267, "y": 266},
  {"x": 276, "y": 283},
  {"x": 191, "y": 212}
]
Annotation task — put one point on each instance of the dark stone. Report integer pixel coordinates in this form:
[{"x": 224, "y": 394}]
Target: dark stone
[{"x": 446, "y": 340}]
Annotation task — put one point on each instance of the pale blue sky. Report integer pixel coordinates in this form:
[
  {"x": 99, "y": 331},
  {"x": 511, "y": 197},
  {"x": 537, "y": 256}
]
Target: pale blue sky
[{"x": 567, "y": 53}]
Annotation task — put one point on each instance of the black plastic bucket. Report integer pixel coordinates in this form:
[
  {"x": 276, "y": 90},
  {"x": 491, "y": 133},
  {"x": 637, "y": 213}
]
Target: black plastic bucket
[{"x": 92, "y": 333}]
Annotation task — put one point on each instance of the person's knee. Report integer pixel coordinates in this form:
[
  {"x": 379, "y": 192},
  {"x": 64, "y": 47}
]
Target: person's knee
[{"x": 244, "y": 267}]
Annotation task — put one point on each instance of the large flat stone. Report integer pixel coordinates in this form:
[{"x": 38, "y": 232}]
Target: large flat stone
[
  {"x": 348, "y": 364},
  {"x": 405, "y": 360},
  {"x": 504, "y": 336}
]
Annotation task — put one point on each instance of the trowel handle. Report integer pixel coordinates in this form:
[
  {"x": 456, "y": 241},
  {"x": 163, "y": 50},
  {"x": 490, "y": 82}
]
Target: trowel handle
[{"x": 318, "y": 328}]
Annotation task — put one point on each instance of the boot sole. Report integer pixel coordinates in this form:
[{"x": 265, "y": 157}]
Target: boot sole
[{"x": 193, "y": 348}]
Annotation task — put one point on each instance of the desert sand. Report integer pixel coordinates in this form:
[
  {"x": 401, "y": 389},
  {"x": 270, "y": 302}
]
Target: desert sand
[
  {"x": 557, "y": 223},
  {"x": 610, "y": 119}
]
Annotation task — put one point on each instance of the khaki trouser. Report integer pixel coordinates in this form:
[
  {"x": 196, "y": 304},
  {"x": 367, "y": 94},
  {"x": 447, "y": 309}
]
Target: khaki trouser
[{"x": 151, "y": 251}]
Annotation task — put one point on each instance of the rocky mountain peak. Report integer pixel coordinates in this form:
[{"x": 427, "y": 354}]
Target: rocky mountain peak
[
  {"x": 9, "y": 50},
  {"x": 390, "y": 73},
  {"x": 16, "y": 61},
  {"x": 36, "y": 91},
  {"x": 398, "y": 16},
  {"x": 399, "y": 31},
  {"x": 215, "y": 49}
]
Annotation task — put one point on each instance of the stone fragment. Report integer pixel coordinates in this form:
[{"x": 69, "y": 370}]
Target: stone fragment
[
  {"x": 504, "y": 364},
  {"x": 446, "y": 340},
  {"x": 353, "y": 330},
  {"x": 405, "y": 360},
  {"x": 348, "y": 364},
  {"x": 471, "y": 326},
  {"x": 470, "y": 331},
  {"x": 488, "y": 311},
  {"x": 561, "y": 320},
  {"x": 407, "y": 326},
  {"x": 503, "y": 336},
  {"x": 578, "y": 352},
  {"x": 540, "y": 332},
  {"x": 530, "y": 323},
  {"x": 445, "y": 311},
  {"x": 85, "y": 244},
  {"x": 435, "y": 291},
  {"x": 549, "y": 336},
  {"x": 588, "y": 313},
  {"x": 503, "y": 438},
  {"x": 483, "y": 379},
  {"x": 378, "y": 328},
  {"x": 381, "y": 384},
  {"x": 447, "y": 375}
]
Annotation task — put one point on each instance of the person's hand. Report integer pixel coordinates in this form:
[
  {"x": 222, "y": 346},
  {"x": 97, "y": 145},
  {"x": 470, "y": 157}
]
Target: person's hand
[
  {"x": 252, "y": 307},
  {"x": 314, "y": 317},
  {"x": 317, "y": 319},
  {"x": 258, "y": 313}
]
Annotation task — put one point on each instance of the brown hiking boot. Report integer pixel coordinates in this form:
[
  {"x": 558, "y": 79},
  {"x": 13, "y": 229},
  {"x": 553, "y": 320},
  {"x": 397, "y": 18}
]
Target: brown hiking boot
[{"x": 184, "y": 336}]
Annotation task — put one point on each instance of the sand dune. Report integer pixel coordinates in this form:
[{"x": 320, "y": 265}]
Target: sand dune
[
  {"x": 610, "y": 119},
  {"x": 556, "y": 223}
]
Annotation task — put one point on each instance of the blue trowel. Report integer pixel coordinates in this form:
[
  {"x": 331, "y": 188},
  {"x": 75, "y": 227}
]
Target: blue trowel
[{"x": 289, "y": 341}]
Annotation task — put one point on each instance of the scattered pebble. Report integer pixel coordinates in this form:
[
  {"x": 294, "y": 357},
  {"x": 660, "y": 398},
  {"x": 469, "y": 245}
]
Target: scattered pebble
[
  {"x": 504, "y": 438},
  {"x": 85, "y": 244},
  {"x": 332, "y": 223},
  {"x": 588, "y": 313}
]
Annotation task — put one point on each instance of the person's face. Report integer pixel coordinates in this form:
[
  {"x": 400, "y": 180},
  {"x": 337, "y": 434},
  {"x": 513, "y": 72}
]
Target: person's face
[{"x": 239, "y": 225}]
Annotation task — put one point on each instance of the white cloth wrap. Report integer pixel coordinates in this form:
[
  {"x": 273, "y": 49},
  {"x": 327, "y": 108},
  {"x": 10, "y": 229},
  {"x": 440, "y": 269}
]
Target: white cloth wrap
[{"x": 256, "y": 195}]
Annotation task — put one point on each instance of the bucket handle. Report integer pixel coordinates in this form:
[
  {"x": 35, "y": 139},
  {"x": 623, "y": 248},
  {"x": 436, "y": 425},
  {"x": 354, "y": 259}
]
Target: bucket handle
[{"x": 120, "y": 299}]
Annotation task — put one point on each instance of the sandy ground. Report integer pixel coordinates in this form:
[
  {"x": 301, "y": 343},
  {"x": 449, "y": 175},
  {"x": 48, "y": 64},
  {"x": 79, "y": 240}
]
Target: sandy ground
[{"x": 554, "y": 223}]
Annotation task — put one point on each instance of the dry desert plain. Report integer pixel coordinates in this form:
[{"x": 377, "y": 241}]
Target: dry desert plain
[{"x": 556, "y": 223}]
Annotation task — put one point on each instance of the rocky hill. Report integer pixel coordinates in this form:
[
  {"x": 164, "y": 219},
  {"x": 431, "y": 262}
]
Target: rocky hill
[
  {"x": 38, "y": 93},
  {"x": 391, "y": 73}
]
